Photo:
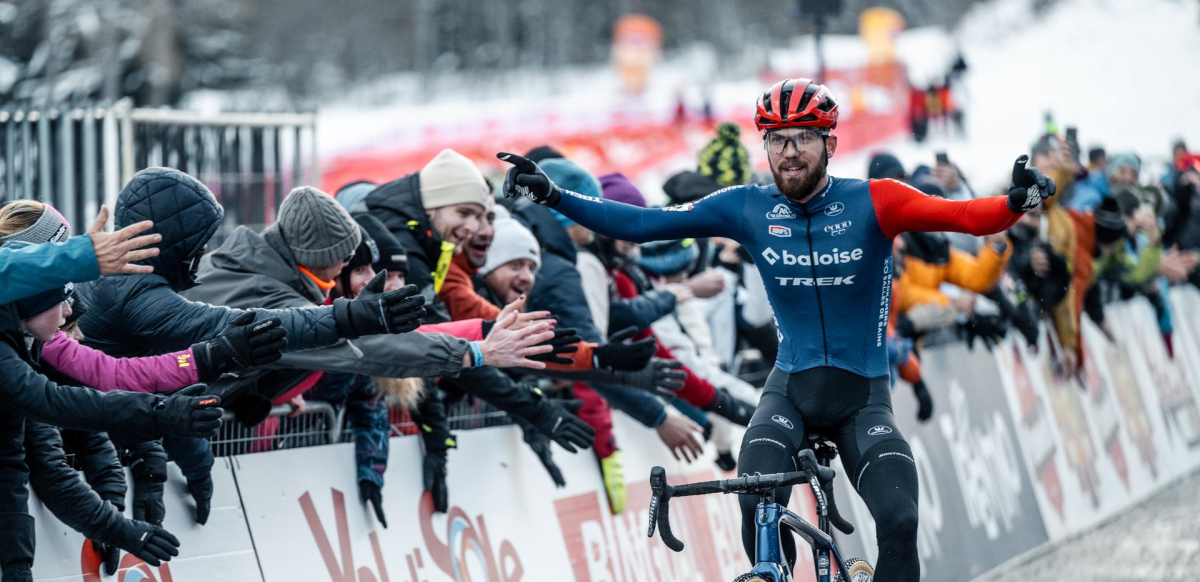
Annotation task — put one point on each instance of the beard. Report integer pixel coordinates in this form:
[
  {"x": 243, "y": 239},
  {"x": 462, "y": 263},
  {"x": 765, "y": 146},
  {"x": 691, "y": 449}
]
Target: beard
[{"x": 801, "y": 187}]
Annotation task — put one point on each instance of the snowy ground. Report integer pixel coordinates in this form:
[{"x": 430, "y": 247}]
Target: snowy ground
[
  {"x": 1122, "y": 71},
  {"x": 1157, "y": 540}
]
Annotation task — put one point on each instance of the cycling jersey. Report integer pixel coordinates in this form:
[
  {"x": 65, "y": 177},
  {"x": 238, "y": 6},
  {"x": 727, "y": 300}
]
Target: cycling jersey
[{"x": 827, "y": 263}]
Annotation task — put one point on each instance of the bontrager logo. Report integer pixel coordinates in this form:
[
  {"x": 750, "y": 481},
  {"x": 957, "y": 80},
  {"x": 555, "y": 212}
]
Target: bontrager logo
[
  {"x": 779, "y": 231},
  {"x": 817, "y": 282},
  {"x": 783, "y": 421},
  {"x": 879, "y": 430},
  {"x": 835, "y": 257},
  {"x": 834, "y": 209},
  {"x": 839, "y": 228},
  {"x": 780, "y": 212}
]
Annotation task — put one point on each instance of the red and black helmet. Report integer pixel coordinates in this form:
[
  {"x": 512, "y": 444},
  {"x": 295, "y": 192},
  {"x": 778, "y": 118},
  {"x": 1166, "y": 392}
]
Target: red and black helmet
[{"x": 796, "y": 103}]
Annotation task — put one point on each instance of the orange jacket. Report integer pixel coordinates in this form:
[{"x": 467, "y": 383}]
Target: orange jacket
[{"x": 926, "y": 268}]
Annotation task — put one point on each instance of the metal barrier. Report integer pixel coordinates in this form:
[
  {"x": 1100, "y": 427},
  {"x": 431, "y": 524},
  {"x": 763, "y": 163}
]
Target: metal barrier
[
  {"x": 76, "y": 158},
  {"x": 322, "y": 424}
]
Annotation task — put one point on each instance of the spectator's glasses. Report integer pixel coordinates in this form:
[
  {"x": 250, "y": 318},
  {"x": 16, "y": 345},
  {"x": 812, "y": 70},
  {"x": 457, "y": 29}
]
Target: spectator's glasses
[{"x": 776, "y": 143}]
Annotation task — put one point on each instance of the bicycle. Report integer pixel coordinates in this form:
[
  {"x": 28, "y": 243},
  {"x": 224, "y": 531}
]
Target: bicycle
[{"x": 770, "y": 563}]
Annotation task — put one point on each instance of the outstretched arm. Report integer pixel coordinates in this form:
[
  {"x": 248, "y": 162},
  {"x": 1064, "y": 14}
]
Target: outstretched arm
[
  {"x": 709, "y": 217},
  {"x": 92, "y": 367},
  {"x": 901, "y": 208}
]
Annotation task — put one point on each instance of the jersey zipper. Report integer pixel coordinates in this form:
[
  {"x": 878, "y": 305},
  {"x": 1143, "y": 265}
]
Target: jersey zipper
[{"x": 816, "y": 288}]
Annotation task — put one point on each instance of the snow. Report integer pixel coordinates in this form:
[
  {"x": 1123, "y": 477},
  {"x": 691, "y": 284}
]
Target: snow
[{"x": 1123, "y": 72}]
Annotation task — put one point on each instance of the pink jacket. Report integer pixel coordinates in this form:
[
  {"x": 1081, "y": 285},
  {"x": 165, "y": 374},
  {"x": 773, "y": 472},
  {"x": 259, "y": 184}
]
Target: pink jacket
[
  {"x": 468, "y": 329},
  {"x": 165, "y": 373}
]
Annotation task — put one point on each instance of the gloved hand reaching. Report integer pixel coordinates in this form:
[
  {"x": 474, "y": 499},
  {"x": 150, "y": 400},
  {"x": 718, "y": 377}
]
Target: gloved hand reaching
[
  {"x": 618, "y": 355},
  {"x": 433, "y": 469},
  {"x": 526, "y": 179},
  {"x": 565, "y": 341},
  {"x": 243, "y": 344},
  {"x": 540, "y": 445},
  {"x": 202, "y": 492},
  {"x": 110, "y": 557},
  {"x": 1028, "y": 188},
  {"x": 373, "y": 496},
  {"x": 376, "y": 312},
  {"x": 151, "y": 543},
  {"x": 557, "y": 419},
  {"x": 189, "y": 412},
  {"x": 660, "y": 376},
  {"x": 990, "y": 328}
]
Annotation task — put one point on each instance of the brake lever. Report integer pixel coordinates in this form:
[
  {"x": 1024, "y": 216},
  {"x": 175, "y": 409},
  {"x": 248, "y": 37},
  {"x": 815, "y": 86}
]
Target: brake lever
[
  {"x": 660, "y": 509},
  {"x": 808, "y": 462}
]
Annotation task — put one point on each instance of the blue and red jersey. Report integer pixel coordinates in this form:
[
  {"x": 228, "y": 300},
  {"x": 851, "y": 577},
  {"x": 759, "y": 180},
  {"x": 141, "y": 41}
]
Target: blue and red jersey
[{"x": 827, "y": 263}]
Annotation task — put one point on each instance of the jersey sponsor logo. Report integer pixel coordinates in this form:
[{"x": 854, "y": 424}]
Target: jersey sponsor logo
[
  {"x": 839, "y": 228},
  {"x": 685, "y": 207},
  {"x": 835, "y": 209},
  {"x": 835, "y": 257},
  {"x": 781, "y": 212},
  {"x": 779, "y": 231},
  {"x": 879, "y": 430},
  {"x": 581, "y": 196},
  {"x": 783, "y": 421},
  {"x": 817, "y": 282}
]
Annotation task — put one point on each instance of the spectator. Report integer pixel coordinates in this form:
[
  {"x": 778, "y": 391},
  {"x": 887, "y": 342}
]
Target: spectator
[
  {"x": 1050, "y": 156},
  {"x": 1093, "y": 189},
  {"x": 725, "y": 158}
]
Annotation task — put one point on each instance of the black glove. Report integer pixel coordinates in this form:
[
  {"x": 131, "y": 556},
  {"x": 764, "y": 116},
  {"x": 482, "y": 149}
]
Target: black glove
[
  {"x": 433, "y": 468},
  {"x": 726, "y": 462},
  {"x": 371, "y": 494},
  {"x": 557, "y": 420},
  {"x": 730, "y": 408},
  {"x": 110, "y": 557},
  {"x": 1029, "y": 187},
  {"x": 924, "y": 401},
  {"x": 149, "y": 542},
  {"x": 618, "y": 355},
  {"x": 376, "y": 312},
  {"x": 526, "y": 179},
  {"x": 989, "y": 328},
  {"x": 565, "y": 341},
  {"x": 149, "y": 476},
  {"x": 242, "y": 344},
  {"x": 202, "y": 492},
  {"x": 660, "y": 376},
  {"x": 189, "y": 412},
  {"x": 540, "y": 444}
]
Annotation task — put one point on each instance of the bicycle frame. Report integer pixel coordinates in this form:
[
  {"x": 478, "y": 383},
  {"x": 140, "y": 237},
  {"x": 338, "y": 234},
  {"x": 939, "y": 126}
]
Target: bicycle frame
[{"x": 768, "y": 546}]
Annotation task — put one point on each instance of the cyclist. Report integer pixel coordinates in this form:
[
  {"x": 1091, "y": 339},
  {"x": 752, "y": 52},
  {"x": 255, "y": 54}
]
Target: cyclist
[{"x": 824, "y": 247}]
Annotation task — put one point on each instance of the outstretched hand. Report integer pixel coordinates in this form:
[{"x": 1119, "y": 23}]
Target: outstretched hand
[
  {"x": 515, "y": 337},
  {"x": 116, "y": 252},
  {"x": 526, "y": 179},
  {"x": 1029, "y": 187}
]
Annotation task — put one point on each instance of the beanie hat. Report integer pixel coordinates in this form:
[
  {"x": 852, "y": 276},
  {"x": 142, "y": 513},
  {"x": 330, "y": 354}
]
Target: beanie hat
[
  {"x": 1110, "y": 224},
  {"x": 618, "y": 188},
  {"x": 50, "y": 227},
  {"x": 725, "y": 158},
  {"x": 353, "y": 193},
  {"x": 450, "y": 178},
  {"x": 543, "y": 152},
  {"x": 884, "y": 165},
  {"x": 1119, "y": 161},
  {"x": 670, "y": 257},
  {"x": 391, "y": 256},
  {"x": 571, "y": 176},
  {"x": 367, "y": 253},
  {"x": 688, "y": 186},
  {"x": 512, "y": 241},
  {"x": 317, "y": 230}
]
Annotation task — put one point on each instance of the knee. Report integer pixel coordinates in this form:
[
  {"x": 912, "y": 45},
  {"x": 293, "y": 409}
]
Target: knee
[{"x": 889, "y": 488}]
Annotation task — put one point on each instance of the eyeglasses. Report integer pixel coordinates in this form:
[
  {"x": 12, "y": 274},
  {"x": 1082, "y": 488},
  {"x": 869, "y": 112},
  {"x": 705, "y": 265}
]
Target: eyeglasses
[{"x": 776, "y": 143}]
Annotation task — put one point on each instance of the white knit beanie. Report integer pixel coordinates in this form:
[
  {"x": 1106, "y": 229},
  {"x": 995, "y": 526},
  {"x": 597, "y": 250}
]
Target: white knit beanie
[
  {"x": 451, "y": 178},
  {"x": 512, "y": 241}
]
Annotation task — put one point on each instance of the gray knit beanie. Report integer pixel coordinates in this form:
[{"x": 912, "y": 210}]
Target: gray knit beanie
[{"x": 317, "y": 230}]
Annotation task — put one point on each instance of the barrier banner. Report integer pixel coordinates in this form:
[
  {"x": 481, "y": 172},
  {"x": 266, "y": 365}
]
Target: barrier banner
[
  {"x": 219, "y": 550},
  {"x": 976, "y": 502}
]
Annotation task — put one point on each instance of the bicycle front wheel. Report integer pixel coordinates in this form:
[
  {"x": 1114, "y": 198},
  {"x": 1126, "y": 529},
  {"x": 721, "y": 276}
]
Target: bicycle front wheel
[
  {"x": 755, "y": 578},
  {"x": 856, "y": 570}
]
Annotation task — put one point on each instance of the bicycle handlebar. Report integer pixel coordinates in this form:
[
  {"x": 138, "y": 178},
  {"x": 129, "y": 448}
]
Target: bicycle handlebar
[{"x": 661, "y": 493}]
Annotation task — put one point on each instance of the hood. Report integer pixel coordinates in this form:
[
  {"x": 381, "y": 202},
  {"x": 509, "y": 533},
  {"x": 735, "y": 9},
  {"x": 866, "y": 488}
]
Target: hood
[
  {"x": 545, "y": 227},
  {"x": 184, "y": 212},
  {"x": 10, "y": 331},
  {"x": 266, "y": 255},
  {"x": 398, "y": 205}
]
